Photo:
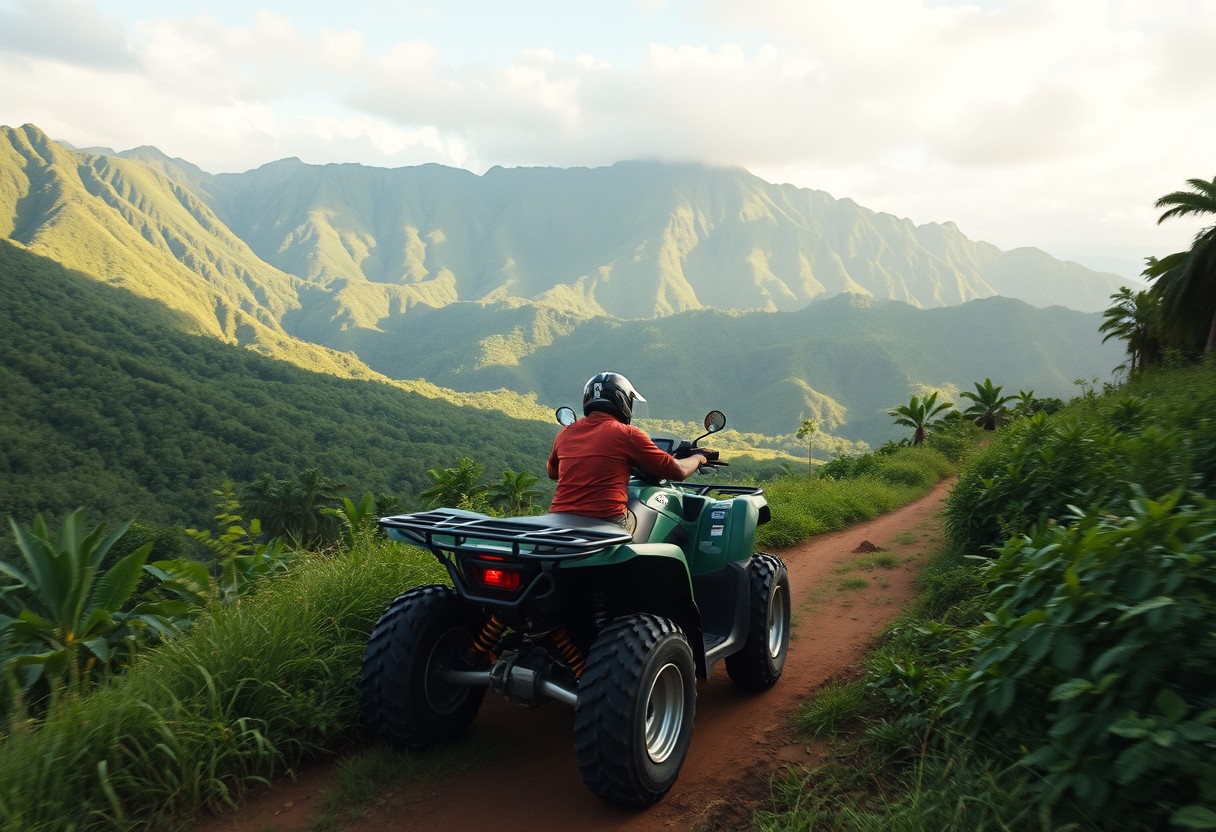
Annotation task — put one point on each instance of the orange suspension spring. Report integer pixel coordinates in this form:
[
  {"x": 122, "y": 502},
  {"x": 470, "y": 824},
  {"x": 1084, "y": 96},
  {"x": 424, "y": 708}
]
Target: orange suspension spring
[
  {"x": 569, "y": 651},
  {"x": 486, "y": 642}
]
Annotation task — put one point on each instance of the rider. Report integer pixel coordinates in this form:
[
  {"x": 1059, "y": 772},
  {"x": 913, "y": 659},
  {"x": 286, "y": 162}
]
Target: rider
[{"x": 592, "y": 457}]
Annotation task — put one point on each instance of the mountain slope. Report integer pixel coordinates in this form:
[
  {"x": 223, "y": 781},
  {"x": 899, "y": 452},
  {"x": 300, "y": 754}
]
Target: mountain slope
[
  {"x": 129, "y": 226},
  {"x": 108, "y": 405},
  {"x": 637, "y": 239},
  {"x": 844, "y": 361}
]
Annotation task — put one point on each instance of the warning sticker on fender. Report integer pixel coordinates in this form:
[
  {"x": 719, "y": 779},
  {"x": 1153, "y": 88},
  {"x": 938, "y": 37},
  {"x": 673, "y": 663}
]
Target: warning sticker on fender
[{"x": 715, "y": 531}]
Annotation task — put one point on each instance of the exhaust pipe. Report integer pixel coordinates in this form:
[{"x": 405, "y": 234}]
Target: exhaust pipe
[{"x": 518, "y": 676}]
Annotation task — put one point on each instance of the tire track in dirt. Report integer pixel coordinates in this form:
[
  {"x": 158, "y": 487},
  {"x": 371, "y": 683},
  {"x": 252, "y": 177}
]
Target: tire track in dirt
[{"x": 524, "y": 776}]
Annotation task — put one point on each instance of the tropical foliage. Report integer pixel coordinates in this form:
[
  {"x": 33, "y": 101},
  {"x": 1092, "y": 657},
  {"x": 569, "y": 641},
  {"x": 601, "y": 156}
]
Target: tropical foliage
[
  {"x": 358, "y": 520},
  {"x": 243, "y": 696},
  {"x": 65, "y": 621},
  {"x": 459, "y": 487},
  {"x": 294, "y": 508},
  {"x": 988, "y": 407},
  {"x": 240, "y": 554},
  {"x": 516, "y": 492},
  {"x": 920, "y": 415},
  {"x": 1177, "y": 314},
  {"x": 1185, "y": 283},
  {"x": 1098, "y": 648},
  {"x": 1135, "y": 319},
  {"x": 1084, "y": 640}
]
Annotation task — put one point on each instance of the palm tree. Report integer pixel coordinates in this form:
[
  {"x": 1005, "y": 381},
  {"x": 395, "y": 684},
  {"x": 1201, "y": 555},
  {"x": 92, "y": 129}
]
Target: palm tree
[
  {"x": 987, "y": 408},
  {"x": 458, "y": 487},
  {"x": 1186, "y": 281},
  {"x": 1025, "y": 403},
  {"x": 515, "y": 492},
  {"x": 920, "y": 415},
  {"x": 1135, "y": 318},
  {"x": 295, "y": 508},
  {"x": 805, "y": 431}
]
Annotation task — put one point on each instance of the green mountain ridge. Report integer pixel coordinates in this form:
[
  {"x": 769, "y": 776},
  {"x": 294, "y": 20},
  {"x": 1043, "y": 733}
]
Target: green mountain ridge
[
  {"x": 706, "y": 283},
  {"x": 637, "y": 239},
  {"x": 844, "y": 362}
]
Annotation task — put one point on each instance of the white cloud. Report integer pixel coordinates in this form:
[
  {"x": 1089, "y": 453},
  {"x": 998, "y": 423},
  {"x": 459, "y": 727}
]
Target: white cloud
[
  {"x": 66, "y": 31},
  {"x": 1029, "y": 122}
]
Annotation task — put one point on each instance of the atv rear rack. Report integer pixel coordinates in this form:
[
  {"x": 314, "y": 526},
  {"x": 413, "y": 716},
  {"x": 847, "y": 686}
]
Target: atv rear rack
[{"x": 545, "y": 537}]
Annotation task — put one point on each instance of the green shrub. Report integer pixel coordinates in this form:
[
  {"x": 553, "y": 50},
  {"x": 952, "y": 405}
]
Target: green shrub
[
  {"x": 953, "y": 440},
  {"x": 1156, "y": 435},
  {"x": 1098, "y": 654},
  {"x": 846, "y": 467}
]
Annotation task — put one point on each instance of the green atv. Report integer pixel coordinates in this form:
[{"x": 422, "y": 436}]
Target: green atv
[{"x": 617, "y": 625}]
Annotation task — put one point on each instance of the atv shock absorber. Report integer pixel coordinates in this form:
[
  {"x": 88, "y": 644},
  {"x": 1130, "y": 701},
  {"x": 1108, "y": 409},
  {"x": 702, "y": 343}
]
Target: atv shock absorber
[
  {"x": 599, "y": 611},
  {"x": 487, "y": 640},
  {"x": 569, "y": 651}
]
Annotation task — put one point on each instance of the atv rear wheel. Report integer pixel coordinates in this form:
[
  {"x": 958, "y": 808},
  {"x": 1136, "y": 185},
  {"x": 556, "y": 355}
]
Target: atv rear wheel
[
  {"x": 404, "y": 700},
  {"x": 633, "y": 718},
  {"x": 759, "y": 664}
]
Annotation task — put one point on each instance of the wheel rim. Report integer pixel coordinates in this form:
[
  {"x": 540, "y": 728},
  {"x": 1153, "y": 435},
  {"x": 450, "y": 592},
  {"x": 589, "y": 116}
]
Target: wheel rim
[
  {"x": 664, "y": 713},
  {"x": 776, "y": 622},
  {"x": 442, "y": 697}
]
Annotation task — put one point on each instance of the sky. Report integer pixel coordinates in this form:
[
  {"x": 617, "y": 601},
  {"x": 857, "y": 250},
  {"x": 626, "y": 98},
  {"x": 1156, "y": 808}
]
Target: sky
[{"x": 1048, "y": 123}]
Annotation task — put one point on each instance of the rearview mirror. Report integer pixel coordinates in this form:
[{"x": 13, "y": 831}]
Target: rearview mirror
[
  {"x": 715, "y": 420},
  {"x": 565, "y": 415}
]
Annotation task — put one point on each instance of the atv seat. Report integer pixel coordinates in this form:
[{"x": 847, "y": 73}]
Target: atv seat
[{"x": 562, "y": 520}]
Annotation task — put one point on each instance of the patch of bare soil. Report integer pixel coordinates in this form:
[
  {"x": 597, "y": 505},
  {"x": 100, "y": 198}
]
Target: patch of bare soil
[{"x": 844, "y": 597}]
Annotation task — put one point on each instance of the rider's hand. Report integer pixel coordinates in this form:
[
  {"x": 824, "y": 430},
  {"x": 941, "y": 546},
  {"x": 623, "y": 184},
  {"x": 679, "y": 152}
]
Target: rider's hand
[{"x": 710, "y": 454}]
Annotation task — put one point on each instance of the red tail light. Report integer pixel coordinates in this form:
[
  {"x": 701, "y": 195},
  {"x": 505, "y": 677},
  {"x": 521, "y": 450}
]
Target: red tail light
[{"x": 505, "y": 579}]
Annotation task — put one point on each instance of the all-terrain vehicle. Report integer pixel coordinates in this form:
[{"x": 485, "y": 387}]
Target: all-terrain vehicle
[{"x": 564, "y": 608}]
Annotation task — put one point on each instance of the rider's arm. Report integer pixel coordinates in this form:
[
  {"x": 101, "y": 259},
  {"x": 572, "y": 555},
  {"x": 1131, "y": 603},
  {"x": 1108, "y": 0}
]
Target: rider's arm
[
  {"x": 657, "y": 462},
  {"x": 689, "y": 465}
]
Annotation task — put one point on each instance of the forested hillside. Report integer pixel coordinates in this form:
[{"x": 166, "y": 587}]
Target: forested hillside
[
  {"x": 844, "y": 362},
  {"x": 104, "y": 403}
]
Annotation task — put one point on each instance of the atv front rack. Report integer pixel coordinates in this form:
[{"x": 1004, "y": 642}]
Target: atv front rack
[{"x": 545, "y": 537}]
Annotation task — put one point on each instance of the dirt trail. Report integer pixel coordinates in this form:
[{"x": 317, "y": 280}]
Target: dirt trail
[{"x": 527, "y": 778}]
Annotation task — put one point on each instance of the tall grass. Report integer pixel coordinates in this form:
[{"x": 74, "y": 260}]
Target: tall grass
[
  {"x": 249, "y": 692},
  {"x": 961, "y": 789},
  {"x": 803, "y": 507}
]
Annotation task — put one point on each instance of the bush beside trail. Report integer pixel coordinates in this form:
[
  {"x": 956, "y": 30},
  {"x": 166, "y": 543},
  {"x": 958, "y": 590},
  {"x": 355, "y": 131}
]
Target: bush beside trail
[{"x": 1057, "y": 671}]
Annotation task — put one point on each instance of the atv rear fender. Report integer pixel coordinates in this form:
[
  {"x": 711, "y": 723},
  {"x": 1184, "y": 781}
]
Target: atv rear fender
[{"x": 654, "y": 577}]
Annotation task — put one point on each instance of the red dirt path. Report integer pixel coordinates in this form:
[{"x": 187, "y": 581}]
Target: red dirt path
[{"x": 528, "y": 780}]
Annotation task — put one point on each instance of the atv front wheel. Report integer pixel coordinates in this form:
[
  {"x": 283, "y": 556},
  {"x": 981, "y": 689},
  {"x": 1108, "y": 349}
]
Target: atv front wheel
[
  {"x": 404, "y": 700},
  {"x": 759, "y": 664},
  {"x": 634, "y": 714}
]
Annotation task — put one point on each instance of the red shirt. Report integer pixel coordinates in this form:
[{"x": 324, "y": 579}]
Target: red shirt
[{"x": 591, "y": 460}]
